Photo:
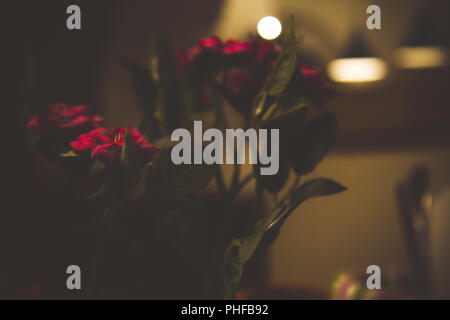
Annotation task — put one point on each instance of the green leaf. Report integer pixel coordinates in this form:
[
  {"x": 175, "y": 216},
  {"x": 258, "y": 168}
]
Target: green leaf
[
  {"x": 146, "y": 92},
  {"x": 285, "y": 63},
  {"x": 164, "y": 64},
  {"x": 290, "y": 122},
  {"x": 311, "y": 145},
  {"x": 173, "y": 182},
  {"x": 274, "y": 183},
  {"x": 129, "y": 150},
  {"x": 279, "y": 77},
  {"x": 237, "y": 253},
  {"x": 260, "y": 103},
  {"x": 143, "y": 83},
  {"x": 313, "y": 188},
  {"x": 264, "y": 104},
  {"x": 188, "y": 96},
  {"x": 164, "y": 142},
  {"x": 131, "y": 162},
  {"x": 290, "y": 99},
  {"x": 166, "y": 75}
]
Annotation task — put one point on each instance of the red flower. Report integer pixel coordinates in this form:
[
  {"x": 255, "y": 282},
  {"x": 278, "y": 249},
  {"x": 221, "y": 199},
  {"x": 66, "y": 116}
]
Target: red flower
[
  {"x": 107, "y": 146},
  {"x": 211, "y": 54},
  {"x": 266, "y": 52},
  {"x": 213, "y": 43},
  {"x": 205, "y": 56},
  {"x": 211, "y": 60},
  {"x": 206, "y": 46},
  {"x": 237, "y": 81},
  {"x": 311, "y": 76},
  {"x": 238, "y": 53},
  {"x": 59, "y": 118},
  {"x": 316, "y": 88},
  {"x": 234, "y": 46}
]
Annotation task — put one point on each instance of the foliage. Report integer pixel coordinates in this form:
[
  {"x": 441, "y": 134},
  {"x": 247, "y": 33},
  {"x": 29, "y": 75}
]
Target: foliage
[{"x": 137, "y": 196}]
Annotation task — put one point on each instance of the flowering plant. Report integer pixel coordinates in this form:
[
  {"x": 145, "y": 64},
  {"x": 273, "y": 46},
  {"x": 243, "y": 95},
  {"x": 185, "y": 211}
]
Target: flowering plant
[
  {"x": 107, "y": 146},
  {"x": 60, "y": 117},
  {"x": 151, "y": 215}
]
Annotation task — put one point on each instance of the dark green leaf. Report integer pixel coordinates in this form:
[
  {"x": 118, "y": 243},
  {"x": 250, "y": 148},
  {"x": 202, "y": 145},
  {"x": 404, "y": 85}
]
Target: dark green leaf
[
  {"x": 312, "y": 188},
  {"x": 279, "y": 77},
  {"x": 236, "y": 255},
  {"x": 239, "y": 251},
  {"x": 164, "y": 142},
  {"x": 164, "y": 64},
  {"x": 131, "y": 162},
  {"x": 175, "y": 182},
  {"x": 264, "y": 104},
  {"x": 188, "y": 96},
  {"x": 290, "y": 122},
  {"x": 274, "y": 183},
  {"x": 311, "y": 145},
  {"x": 166, "y": 75},
  {"x": 130, "y": 152},
  {"x": 143, "y": 83},
  {"x": 260, "y": 103},
  {"x": 315, "y": 188},
  {"x": 285, "y": 63},
  {"x": 146, "y": 92}
]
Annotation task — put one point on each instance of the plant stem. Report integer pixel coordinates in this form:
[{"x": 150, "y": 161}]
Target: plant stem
[
  {"x": 244, "y": 181},
  {"x": 289, "y": 193},
  {"x": 256, "y": 207},
  {"x": 295, "y": 184},
  {"x": 280, "y": 206},
  {"x": 220, "y": 181},
  {"x": 241, "y": 185},
  {"x": 236, "y": 186},
  {"x": 235, "y": 179},
  {"x": 219, "y": 120}
]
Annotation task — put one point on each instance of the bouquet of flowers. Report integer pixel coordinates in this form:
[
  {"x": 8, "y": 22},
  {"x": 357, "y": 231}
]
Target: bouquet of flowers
[{"x": 152, "y": 233}]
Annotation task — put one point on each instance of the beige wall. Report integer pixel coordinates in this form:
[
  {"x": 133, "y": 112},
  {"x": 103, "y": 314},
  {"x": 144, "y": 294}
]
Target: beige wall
[{"x": 356, "y": 228}]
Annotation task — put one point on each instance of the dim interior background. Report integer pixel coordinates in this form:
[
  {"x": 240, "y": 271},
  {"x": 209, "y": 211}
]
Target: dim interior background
[{"x": 385, "y": 127}]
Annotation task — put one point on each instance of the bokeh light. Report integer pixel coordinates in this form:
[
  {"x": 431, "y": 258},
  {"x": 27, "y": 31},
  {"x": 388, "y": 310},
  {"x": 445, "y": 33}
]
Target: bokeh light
[
  {"x": 420, "y": 57},
  {"x": 269, "y": 28},
  {"x": 357, "y": 69}
]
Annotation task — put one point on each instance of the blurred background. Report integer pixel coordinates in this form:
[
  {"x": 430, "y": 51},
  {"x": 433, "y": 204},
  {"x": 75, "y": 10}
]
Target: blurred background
[{"x": 386, "y": 127}]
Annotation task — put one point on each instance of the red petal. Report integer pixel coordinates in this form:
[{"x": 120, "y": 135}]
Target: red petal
[{"x": 109, "y": 153}]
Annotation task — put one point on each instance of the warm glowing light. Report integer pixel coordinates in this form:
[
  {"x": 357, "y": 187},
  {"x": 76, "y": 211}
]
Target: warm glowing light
[
  {"x": 357, "y": 69},
  {"x": 420, "y": 57},
  {"x": 269, "y": 27}
]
